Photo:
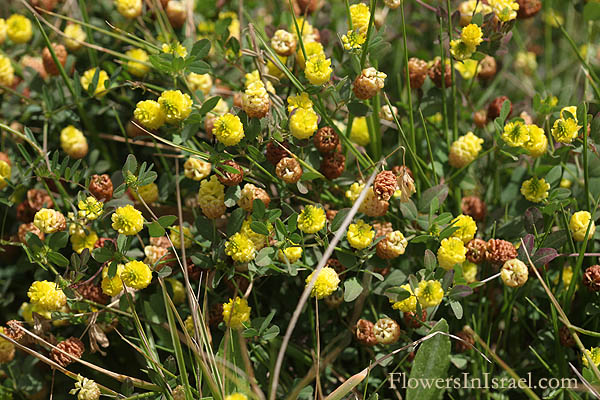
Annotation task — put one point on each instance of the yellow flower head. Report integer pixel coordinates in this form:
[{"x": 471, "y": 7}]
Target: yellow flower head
[
  {"x": 7, "y": 349},
  {"x": 211, "y": 197},
  {"x": 49, "y": 220},
  {"x": 240, "y": 248},
  {"x": 7, "y": 72},
  {"x": 301, "y": 100},
  {"x": 535, "y": 190},
  {"x": 429, "y": 293},
  {"x": 136, "y": 275},
  {"x": 594, "y": 354},
  {"x": 467, "y": 68},
  {"x": 81, "y": 242},
  {"x": 86, "y": 389},
  {"x": 452, "y": 251},
  {"x": 311, "y": 219},
  {"x": 175, "y": 48},
  {"x": 202, "y": 82},
  {"x": 464, "y": 150},
  {"x": 74, "y": 34},
  {"x": 354, "y": 191},
  {"x": 236, "y": 396},
  {"x": 88, "y": 77},
  {"x": 112, "y": 286},
  {"x": 90, "y": 208},
  {"x": 360, "y": 15},
  {"x": 466, "y": 228},
  {"x": 359, "y": 133},
  {"x": 3, "y": 29},
  {"x": 127, "y": 220},
  {"x": 178, "y": 290},
  {"x": 505, "y": 10},
  {"x": 460, "y": 50},
  {"x": 5, "y": 172},
  {"x": 18, "y": 28},
  {"x": 188, "y": 238},
  {"x": 360, "y": 235},
  {"x": 312, "y": 49},
  {"x": 47, "y": 295},
  {"x": 196, "y": 169},
  {"x": 177, "y": 106},
  {"x": 567, "y": 275},
  {"x": 526, "y": 62},
  {"x": 579, "y": 224},
  {"x": 306, "y": 30},
  {"x": 471, "y": 35},
  {"x": 234, "y": 25},
  {"x": 469, "y": 270},
  {"x": 565, "y": 130},
  {"x": 236, "y": 312},
  {"x": 291, "y": 254},
  {"x": 407, "y": 305},
  {"x": 73, "y": 142},
  {"x": 515, "y": 134},
  {"x": 304, "y": 123},
  {"x": 148, "y": 193},
  {"x": 258, "y": 239},
  {"x": 538, "y": 142},
  {"x": 514, "y": 273},
  {"x": 228, "y": 129},
  {"x": 129, "y": 8},
  {"x": 318, "y": 69},
  {"x": 326, "y": 283},
  {"x": 353, "y": 40},
  {"x": 149, "y": 114},
  {"x": 138, "y": 68}
]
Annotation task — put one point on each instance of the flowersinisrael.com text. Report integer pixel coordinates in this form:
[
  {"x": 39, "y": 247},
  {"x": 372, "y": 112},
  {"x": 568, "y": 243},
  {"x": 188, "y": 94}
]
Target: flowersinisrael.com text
[{"x": 486, "y": 381}]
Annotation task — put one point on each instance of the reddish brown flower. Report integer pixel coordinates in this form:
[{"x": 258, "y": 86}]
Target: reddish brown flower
[
  {"x": 496, "y": 106},
  {"x": 101, "y": 187},
  {"x": 289, "y": 170},
  {"x": 480, "y": 118},
  {"x": 565, "y": 336},
  {"x": 38, "y": 199},
  {"x": 411, "y": 320},
  {"x": 73, "y": 346},
  {"x": 231, "y": 178},
  {"x": 364, "y": 332},
  {"x": 275, "y": 152},
  {"x": 436, "y": 74},
  {"x": 500, "y": 251},
  {"x": 61, "y": 55},
  {"x": 528, "y": 8},
  {"x": 92, "y": 292},
  {"x": 30, "y": 227},
  {"x": 591, "y": 278},
  {"x": 466, "y": 343},
  {"x": 476, "y": 249},
  {"x": 326, "y": 140},
  {"x": 474, "y": 207},
  {"x": 306, "y": 6},
  {"x": 385, "y": 185},
  {"x": 333, "y": 165},
  {"x": 336, "y": 265},
  {"x": 13, "y": 330},
  {"x": 417, "y": 71}
]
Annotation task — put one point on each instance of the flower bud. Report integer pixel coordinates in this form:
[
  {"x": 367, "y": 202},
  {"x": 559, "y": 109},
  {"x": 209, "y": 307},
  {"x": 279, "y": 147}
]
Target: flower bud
[{"x": 73, "y": 142}]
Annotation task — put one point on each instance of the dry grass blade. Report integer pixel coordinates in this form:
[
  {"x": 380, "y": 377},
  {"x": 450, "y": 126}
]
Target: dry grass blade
[
  {"x": 306, "y": 293},
  {"x": 585, "y": 382}
]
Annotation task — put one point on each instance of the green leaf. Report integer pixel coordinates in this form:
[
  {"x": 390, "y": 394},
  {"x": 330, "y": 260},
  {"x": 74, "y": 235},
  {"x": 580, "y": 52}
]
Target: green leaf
[
  {"x": 352, "y": 289},
  {"x": 259, "y": 227},
  {"x": 167, "y": 220},
  {"x": 208, "y": 105},
  {"x": 58, "y": 240},
  {"x": 338, "y": 219},
  {"x": 155, "y": 229},
  {"x": 430, "y": 260},
  {"x": 199, "y": 67},
  {"x": 58, "y": 259},
  {"x": 591, "y": 11},
  {"x": 505, "y": 110},
  {"x": 440, "y": 192},
  {"x": 431, "y": 363},
  {"x": 263, "y": 257},
  {"x": 235, "y": 221},
  {"x": 358, "y": 109},
  {"x": 201, "y": 48}
]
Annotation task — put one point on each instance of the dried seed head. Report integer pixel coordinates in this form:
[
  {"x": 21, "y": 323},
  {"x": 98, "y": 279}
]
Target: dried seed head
[
  {"x": 38, "y": 199},
  {"x": 49, "y": 64},
  {"x": 391, "y": 246},
  {"x": 364, "y": 332},
  {"x": 499, "y": 251},
  {"x": 385, "y": 185},
  {"x": 382, "y": 228},
  {"x": 49, "y": 5},
  {"x": 333, "y": 165},
  {"x": 73, "y": 346},
  {"x": 387, "y": 331},
  {"x": 326, "y": 140},
  {"x": 417, "y": 70},
  {"x": 92, "y": 292},
  {"x": 591, "y": 278},
  {"x": 496, "y": 106},
  {"x": 368, "y": 83},
  {"x": 283, "y": 42},
  {"x": 101, "y": 187},
  {"x": 4, "y": 157},
  {"x": 251, "y": 193},
  {"x": 289, "y": 170},
  {"x": 528, "y": 8},
  {"x": 134, "y": 128},
  {"x": 231, "y": 178},
  {"x": 372, "y": 206},
  {"x": 406, "y": 184},
  {"x": 436, "y": 74},
  {"x": 306, "y": 6},
  {"x": 476, "y": 251},
  {"x": 176, "y": 12},
  {"x": 467, "y": 343},
  {"x": 487, "y": 68},
  {"x": 480, "y": 118},
  {"x": 30, "y": 227},
  {"x": 335, "y": 299},
  {"x": 474, "y": 207},
  {"x": 336, "y": 265},
  {"x": 275, "y": 152},
  {"x": 13, "y": 330},
  {"x": 565, "y": 336}
]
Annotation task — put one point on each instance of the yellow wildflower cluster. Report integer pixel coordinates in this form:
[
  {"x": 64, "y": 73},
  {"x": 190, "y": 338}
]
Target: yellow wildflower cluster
[
  {"x": 73, "y": 142},
  {"x": 74, "y": 34},
  {"x": 240, "y": 248},
  {"x": 88, "y": 78},
  {"x": 112, "y": 286},
  {"x": 80, "y": 242},
  {"x": 174, "y": 235},
  {"x": 464, "y": 150},
  {"x": 535, "y": 190},
  {"x": 359, "y": 133},
  {"x": 452, "y": 251},
  {"x": 407, "y": 305},
  {"x": 360, "y": 16},
  {"x": 149, "y": 114},
  {"x": 505, "y": 10},
  {"x": 18, "y": 28},
  {"x": 566, "y": 129},
  {"x": 360, "y": 235},
  {"x": 47, "y": 295},
  {"x": 466, "y": 228},
  {"x": 136, "y": 275},
  {"x": 303, "y": 123},
  {"x": 429, "y": 293},
  {"x": 7, "y": 72},
  {"x": 202, "y": 82},
  {"x": 90, "y": 208},
  {"x": 5, "y": 172},
  {"x": 236, "y": 312},
  {"x": 301, "y": 100},
  {"x": 579, "y": 225},
  {"x": 594, "y": 354},
  {"x": 318, "y": 69},
  {"x": 139, "y": 65},
  {"x": 470, "y": 37},
  {"x": 514, "y": 273},
  {"x": 211, "y": 197},
  {"x": 175, "y": 105},
  {"x": 290, "y": 253},
  {"x": 326, "y": 283},
  {"x": 196, "y": 169},
  {"x": 228, "y": 129},
  {"x": 49, "y": 220},
  {"x": 311, "y": 219},
  {"x": 127, "y": 220},
  {"x": 129, "y": 8}
]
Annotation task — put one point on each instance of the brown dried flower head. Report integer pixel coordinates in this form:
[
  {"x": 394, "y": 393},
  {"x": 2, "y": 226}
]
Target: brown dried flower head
[
  {"x": 333, "y": 165},
  {"x": 101, "y": 187},
  {"x": 406, "y": 184},
  {"x": 496, "y": 106},
  {"x": 289, "y": 170},
  {"x": 92, "y": 292},
  {"x": 487, "y": 68},
  {"x": 364, "y": 332},
  {"x": 29, "y": 227},
  {"x": 13, "y": 330},
  {"x": 387, "y": 331},
  {"x": 250, "y": 193},
  {"x": 436, "y": 74},
  {"x": 476, "y": 250},
  {"x": 326, "y": 140},
  {"x": 474, "y": 207},
  {"x": 499, "y": 251},
  {"x": 528, "y": 8},
  {"x": 466, "y": 343},
  {"x": 372, "y": 206},
  {"x": 480, "y": 118},
  {"x": 368, "y": 83},
  {"x": 591, "y": 278},
  {"x": 176, "y": 12},
  {"x": 417, "y": 71},
  {"x": 385, "y": 185},
  {"x": 73, "y": 346},
  {"x": 38, "y": 199},
  {"x": 412, "y": 321},
  {"x": 4, "y": 157},
  {"x": 565, "y": 336},
  {"x": 231, "y": 178},
  {"x": 275, "y": 152},
  {"x": 61, "y": 55}
]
